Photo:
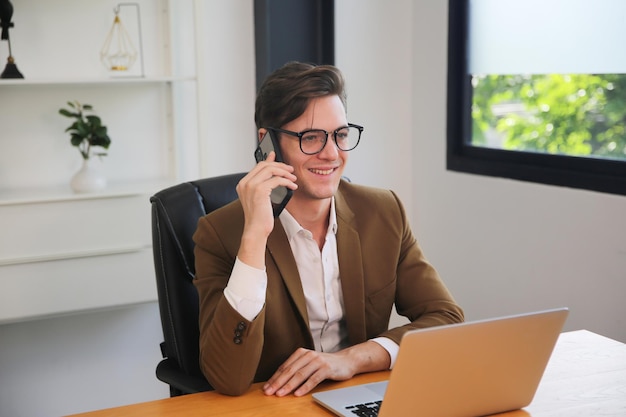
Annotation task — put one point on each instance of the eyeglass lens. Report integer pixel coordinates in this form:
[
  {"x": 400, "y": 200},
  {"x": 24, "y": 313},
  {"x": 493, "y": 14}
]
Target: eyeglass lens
[{"x": 313, "y": 141}]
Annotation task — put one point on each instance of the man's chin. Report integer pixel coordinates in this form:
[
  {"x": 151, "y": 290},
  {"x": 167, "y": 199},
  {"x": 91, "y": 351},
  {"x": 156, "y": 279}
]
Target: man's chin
[{"x": 319, "y": 193}]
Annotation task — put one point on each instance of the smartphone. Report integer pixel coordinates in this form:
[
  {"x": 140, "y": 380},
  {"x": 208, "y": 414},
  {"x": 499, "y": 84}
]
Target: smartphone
[{"x": 280, "y": 195}]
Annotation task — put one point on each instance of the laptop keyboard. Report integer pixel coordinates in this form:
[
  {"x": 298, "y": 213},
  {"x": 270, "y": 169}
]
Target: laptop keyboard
[{"x": 365, "y": 410}]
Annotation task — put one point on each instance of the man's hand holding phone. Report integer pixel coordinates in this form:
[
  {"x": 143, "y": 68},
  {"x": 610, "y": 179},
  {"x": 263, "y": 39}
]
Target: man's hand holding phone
[
  {"x": 280, "y": 195},
  {"x": 254, "y": 192}
]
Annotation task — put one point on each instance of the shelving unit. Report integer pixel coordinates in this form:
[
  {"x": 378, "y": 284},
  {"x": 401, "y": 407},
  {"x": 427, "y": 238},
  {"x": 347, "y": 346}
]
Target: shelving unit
[{"x": 56, "y": 243}]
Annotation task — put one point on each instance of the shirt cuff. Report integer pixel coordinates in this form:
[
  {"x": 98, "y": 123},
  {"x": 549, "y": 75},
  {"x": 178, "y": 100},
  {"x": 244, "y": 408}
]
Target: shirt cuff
[
  {"x": 390, "y": 346},
  {"x": 246, "y": 289}
]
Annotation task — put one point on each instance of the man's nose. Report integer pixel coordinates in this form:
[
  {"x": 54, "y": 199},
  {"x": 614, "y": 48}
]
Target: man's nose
[{"x": 330, "y": 149}]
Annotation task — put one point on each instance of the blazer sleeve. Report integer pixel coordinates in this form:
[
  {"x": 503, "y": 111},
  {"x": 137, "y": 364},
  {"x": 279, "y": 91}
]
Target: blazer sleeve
[
  {"x": 230, "y": 345},
  {"x": 420, "y": 293}
]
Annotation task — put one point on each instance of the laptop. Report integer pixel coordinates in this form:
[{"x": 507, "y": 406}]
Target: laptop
[{"x": 461, "y": 370}]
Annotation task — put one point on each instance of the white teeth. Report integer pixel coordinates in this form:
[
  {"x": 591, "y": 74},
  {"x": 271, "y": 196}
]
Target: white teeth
[{"x": 322, "y": 172}]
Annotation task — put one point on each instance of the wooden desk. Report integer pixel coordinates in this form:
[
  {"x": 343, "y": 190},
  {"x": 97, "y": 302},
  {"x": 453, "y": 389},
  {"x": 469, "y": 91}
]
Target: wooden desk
[{"x": 586, "y": 377}]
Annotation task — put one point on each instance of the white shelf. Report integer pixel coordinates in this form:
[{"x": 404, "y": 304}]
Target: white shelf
[
  {"x": 56, "y": 243},
  {"x": 37, "y": 195},
  {"x": 92, "y": 81}
]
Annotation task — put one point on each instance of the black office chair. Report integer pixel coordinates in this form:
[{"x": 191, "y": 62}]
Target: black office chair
[{"x": 175, "y": 214}]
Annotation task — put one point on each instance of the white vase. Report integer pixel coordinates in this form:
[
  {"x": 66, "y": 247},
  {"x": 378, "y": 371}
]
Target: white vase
[{"x": 89, "y": 178}]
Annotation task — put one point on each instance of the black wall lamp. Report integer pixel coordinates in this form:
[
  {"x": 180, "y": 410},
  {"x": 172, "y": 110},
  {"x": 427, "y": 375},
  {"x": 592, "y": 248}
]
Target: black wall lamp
[{"x": 6, "y": 12}]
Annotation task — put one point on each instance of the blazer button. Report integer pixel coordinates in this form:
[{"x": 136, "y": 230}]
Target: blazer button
[
  {"x": 237, "y": 340},
  {"x": 241, "y": 325}
]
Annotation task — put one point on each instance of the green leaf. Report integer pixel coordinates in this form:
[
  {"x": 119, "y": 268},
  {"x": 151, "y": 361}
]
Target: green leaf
[
  {"x": 76, "y": 140},
  {"x": 100, "y": 131},
  {"x": 67, "y": 113},
  {"x": 94, "y": 121}
]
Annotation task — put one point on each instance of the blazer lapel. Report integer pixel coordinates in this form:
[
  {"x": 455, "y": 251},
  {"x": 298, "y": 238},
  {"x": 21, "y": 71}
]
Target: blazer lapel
[
  {"x": 350, "y": 270},
  {"x": 280, "y": 251}
]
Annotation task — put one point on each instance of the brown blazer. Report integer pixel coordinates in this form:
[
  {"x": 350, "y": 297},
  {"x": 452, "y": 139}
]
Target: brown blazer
[{"x": 380, "y": 263}]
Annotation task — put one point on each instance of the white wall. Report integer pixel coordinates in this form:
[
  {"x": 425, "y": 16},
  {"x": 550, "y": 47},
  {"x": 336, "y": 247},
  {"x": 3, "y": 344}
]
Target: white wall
[
  {"x": 506, "y": 246},
  {"x": 82, "y": 362},
  {"x": 100, "y": 359},
  {"x": 373, "y": 49},
  {"x": 226, "y": 80},
  {"x": 502, "y": 246}
]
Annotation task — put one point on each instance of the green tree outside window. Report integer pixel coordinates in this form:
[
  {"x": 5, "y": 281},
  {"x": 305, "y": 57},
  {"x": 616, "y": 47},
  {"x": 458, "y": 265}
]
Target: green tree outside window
[{"x": 569, "y": 114}]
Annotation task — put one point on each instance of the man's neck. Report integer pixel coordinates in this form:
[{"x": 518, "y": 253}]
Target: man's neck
[{"x": 312, "y": 215}]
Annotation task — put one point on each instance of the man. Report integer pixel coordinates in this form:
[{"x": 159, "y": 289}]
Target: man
[{"x": 308, "y": 296}]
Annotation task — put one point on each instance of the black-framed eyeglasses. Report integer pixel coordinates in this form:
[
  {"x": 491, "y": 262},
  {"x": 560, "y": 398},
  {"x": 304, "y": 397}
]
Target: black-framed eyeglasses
[{"x": 313, "y": 141}]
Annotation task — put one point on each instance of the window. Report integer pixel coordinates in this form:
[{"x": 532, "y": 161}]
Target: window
[{"x": 537, "y": 91}]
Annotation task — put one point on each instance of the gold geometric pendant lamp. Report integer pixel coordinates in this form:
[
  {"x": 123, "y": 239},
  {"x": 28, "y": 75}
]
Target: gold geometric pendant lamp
[{"x": 118, "y": 52}]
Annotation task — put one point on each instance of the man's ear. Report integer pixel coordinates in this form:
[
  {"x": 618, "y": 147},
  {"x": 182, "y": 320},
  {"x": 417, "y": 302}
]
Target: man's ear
[{"x": 261, "y": 133}]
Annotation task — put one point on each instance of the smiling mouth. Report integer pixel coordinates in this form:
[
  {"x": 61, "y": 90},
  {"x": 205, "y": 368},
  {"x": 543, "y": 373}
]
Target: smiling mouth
[{"x": 322, "y": 171}]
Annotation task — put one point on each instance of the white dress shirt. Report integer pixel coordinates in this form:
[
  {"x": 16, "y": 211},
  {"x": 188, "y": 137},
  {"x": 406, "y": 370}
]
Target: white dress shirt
[{"x": 319, "y": 273}]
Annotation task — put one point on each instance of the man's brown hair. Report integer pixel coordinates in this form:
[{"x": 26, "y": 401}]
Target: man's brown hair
[{"x": 286, "y": 93}]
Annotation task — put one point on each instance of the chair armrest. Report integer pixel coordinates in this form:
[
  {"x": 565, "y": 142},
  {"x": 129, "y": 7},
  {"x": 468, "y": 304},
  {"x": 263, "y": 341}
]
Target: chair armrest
[{"x": 180, "y": 383}]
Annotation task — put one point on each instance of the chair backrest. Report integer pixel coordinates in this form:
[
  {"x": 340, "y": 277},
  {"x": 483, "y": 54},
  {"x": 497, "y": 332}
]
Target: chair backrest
[{"x": 175, "y": 214}]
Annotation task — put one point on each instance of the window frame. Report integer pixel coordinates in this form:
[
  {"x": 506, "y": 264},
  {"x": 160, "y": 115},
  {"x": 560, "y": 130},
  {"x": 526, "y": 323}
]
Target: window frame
[{"x": 595, "y": 174}]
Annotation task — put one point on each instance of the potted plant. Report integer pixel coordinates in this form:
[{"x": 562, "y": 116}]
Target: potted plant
[{"x": 86, "y": 132}]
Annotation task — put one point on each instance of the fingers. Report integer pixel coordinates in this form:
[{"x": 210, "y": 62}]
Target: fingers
[
  {"x": 270, "y": 166},
  {"x": 302, "y": 372},
  {"x": 264, "y": 177},
  {"x": 296, "y": 370},
  {"x": 255, "y": 188},
  {"x": 310, "y": 383}
]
